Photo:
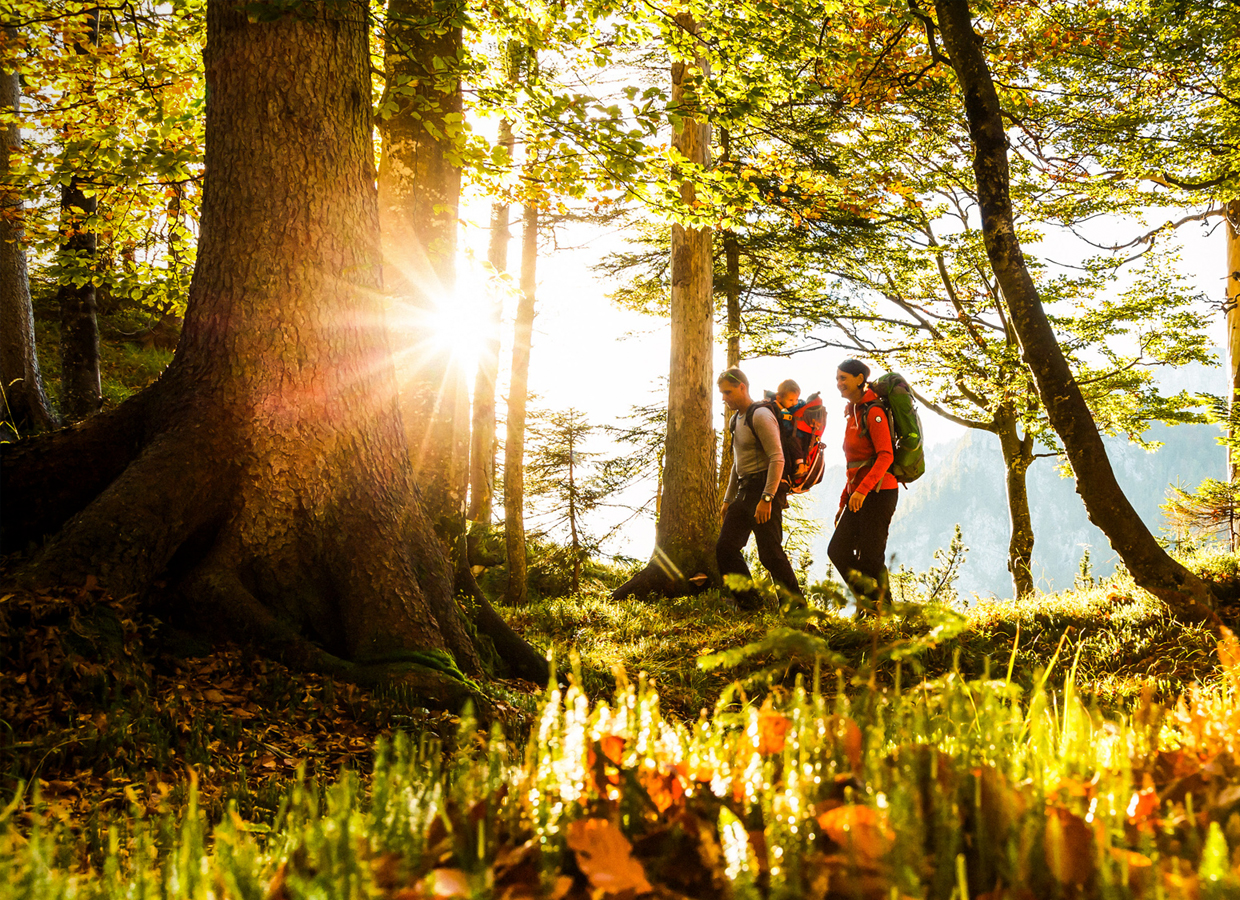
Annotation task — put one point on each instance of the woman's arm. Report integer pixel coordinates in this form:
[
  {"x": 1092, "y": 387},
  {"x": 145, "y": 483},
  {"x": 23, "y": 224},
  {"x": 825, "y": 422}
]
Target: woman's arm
[{"x": 880, "y": 436}]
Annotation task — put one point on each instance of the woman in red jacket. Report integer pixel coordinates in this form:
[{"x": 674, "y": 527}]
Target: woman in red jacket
[{"x": 859, "y": 545}]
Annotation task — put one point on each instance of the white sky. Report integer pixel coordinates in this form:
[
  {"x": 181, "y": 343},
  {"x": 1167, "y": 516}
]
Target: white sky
[{"x": 588, "y": 353}]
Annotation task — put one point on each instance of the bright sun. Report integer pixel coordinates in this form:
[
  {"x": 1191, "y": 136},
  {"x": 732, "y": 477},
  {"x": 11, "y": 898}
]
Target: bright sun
[{"x": 457, "y": 323}]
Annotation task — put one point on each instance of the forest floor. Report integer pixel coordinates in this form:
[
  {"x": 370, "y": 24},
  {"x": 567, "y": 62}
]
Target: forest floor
[{"x": 110, "y": 719}]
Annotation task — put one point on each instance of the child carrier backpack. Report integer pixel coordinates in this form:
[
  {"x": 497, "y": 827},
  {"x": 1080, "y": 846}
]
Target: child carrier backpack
[
  {"x": 907, "y": 444},
  {"x": 800, "y": 430}
]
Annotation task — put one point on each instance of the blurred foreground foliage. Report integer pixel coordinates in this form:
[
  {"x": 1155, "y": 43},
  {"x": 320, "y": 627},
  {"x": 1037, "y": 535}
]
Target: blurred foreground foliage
[
  {"x": 1082, "y": 745},
  {"x": 960, "y": 787}
]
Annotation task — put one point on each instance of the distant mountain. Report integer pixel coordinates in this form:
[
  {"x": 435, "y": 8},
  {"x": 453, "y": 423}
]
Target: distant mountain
[{"x": 964, "y": 484}]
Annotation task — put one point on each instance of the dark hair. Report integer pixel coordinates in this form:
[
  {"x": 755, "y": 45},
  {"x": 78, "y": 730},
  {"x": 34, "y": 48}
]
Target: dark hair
[
  {"x": 788, "y": 386},
  {"x": 855, "y": 367},
  {"x": 732, "y": 375}
]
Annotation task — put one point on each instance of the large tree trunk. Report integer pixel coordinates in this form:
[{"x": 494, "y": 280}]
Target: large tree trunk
[
  {"x": 1017, "y": 457},
  {"x": 482, "y": 437},
  {"x": 23, "y": 402},
  {"x": 518, "y": 391},
  {"x": 269, "y": 481},
  {"x": 688, "y": 523},
  {"x": 732, "y": 295},
  {"x": 81, "y": 391},
  {"x": 419, "y": 193},
  {"x": 1105, "y": 502}
]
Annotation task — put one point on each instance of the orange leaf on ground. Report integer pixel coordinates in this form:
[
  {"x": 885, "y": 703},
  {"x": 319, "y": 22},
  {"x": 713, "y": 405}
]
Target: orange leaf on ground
[
  {"x": 663, "y": 786},
  {"x": 605, "y": 856},
  {"x": 1139, "y": 868},
  {"x": 848, "y": 736},
  {"x": 1143, "y": 804},
  {"x": 612, "y": 746},
  {"x": 859, "y": 830},
  {"x": 772, "y": 727},
  {"x": 1069, "y": 847}
]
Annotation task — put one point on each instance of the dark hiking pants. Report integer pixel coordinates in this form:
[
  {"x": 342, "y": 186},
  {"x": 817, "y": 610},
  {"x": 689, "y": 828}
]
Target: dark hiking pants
[
  {"x": 738, "y": 524},
  {"x": 860, "y": 540}
]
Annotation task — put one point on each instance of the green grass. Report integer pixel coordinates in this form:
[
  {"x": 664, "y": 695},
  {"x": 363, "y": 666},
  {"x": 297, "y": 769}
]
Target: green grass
[
  {"x": 892, "y": 757},
  {"x": 1125, "y": 641},
  {"x": 959, "y": 787}
]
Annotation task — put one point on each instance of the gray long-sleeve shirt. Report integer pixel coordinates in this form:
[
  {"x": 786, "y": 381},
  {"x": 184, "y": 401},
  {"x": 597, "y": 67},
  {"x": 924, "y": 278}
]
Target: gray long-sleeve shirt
[{"x": 749, "y": 457}]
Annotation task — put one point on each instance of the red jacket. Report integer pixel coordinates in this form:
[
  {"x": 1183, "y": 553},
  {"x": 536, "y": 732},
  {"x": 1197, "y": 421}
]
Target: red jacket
[{"x": 862, "y": 448}]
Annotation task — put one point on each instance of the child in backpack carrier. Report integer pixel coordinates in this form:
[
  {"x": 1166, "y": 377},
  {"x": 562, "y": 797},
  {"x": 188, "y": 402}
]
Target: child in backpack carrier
[
  {"x": 788, "y": 397},
  {"x": 801, "y": 423}
]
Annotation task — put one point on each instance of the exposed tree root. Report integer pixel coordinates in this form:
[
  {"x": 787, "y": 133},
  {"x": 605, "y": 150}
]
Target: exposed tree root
[
  {"x": 522, "y": 660},
  {"x": 129, "y": 534},
  {"x": 661, "y": 580},
  {"x": 48, "y": 478},
  {"x": 311, "y": 571},
  {"x": 213, "y": 587}
]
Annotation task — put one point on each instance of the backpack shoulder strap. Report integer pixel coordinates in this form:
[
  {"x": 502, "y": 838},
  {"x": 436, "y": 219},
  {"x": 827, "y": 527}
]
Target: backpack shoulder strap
[{"x": 753, "y": 408}]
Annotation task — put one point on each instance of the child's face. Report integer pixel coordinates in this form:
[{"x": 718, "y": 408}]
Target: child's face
[{"x": 787, "y": 399}]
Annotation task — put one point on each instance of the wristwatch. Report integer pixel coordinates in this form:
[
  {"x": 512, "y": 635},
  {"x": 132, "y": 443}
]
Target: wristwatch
[{"x": 767, "y": 498}]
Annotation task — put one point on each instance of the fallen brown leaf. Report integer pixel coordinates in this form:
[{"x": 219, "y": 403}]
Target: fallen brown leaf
[
  {"x": 1069, "y": 846},
  {"x": 605, "y": 856}
]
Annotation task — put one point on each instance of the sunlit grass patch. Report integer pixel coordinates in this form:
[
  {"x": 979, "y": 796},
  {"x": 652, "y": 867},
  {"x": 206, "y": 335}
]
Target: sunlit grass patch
[
  {"x": 1125, "y": 641},
  {"x": 661, "y": 637},
  {"x": 959, "y": 787}
]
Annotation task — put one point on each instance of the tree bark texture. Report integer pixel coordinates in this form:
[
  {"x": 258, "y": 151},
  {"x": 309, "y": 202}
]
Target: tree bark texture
[
  {"x": 268, "y": 480},
  {"x": 24, "y": 402},
  {"x": 419, "y": 195},
  {"x": 1017, "y": 457},
  {"x": 688, "y": 523},
  {"x": 732, "y": 296},
  {"x": 1105, "y": 502},
  {"x": 81, "y": 390},
  {"x": 482, "y": 435},
  {"x": 516, "y": 593},
  {"x": 1233, "y": 323}
]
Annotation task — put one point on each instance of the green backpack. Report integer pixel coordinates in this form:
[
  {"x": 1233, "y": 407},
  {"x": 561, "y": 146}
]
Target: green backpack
[{"x": 895, "y": 396}]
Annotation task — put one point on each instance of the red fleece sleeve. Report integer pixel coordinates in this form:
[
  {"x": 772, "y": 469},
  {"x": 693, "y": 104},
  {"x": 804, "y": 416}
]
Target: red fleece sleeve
[{"x": 880, "y": 437}]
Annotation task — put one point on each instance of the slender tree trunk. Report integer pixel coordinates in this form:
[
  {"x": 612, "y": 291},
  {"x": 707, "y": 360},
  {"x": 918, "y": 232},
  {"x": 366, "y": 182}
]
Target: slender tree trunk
[
  {"x": 81, "y": 389},
  {"x": 1105, "y": 502},
  {"x": 518, "y": 392},
  {"x": 1233, "y": 337},
  {"x": 23, "y": 402},
  {"x": 572, "y": 512},
  {"x": 265, "y": 476},
  {"x": 1233, "y": 320},
  {"x": 419, "y": 193},
  {"x": 688, "y": 523},
  {"x": 482, "y": 437},
  {"x": 1017, "y": 457},
  {"x": 732, "y": 291}
]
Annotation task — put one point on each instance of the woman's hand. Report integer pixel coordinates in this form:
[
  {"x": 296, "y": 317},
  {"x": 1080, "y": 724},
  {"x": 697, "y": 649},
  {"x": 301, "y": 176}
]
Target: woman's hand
[{"x": 855, "y": 501}]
